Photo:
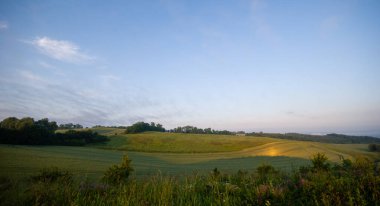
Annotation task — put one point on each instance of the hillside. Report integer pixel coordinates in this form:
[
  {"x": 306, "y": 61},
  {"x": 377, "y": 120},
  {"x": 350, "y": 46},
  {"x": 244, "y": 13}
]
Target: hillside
[{"x": 173, "y": 153}]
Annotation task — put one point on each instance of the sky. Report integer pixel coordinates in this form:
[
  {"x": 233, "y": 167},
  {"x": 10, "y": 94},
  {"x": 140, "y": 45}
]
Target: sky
[{"x": 272, "y": 66}]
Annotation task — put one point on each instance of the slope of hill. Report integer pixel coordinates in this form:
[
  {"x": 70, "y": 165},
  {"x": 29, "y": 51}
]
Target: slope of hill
[{"x": 173, "y": 153}]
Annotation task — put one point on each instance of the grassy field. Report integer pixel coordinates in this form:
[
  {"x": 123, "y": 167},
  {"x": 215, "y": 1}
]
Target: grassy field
[
  {"x": 182, "y": 143},
  {"x": 173, "y": 154},
  {"x": 227, "y": 146},
  {"x": 21, "y": 161}
]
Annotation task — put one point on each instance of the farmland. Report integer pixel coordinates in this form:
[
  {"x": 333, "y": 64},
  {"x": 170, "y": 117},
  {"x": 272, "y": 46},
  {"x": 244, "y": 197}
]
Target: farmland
[
  {"x": 189, "y": 169},
  {"x": 174, "y": 154}
]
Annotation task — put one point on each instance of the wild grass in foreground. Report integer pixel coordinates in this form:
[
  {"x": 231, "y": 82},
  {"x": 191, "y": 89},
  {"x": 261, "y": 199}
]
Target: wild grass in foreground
[{"x": 347, "y": 183}]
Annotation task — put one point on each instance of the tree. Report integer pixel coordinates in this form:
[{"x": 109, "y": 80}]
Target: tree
[
  {"x": 139, "y": 127},
  {"x": 9, "y": 123},
  {"x": 24, "y": 123}
]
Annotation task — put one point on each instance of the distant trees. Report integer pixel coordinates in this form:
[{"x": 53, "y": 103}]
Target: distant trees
[
  {"x": 195, "y": 130},
  {"x": 79, "y": 138},
  {"x": 139, "y": 127},
  {"x": 26, "y": 131},
  {"x": 329, "y": 138},
  {"x": 70, "y": 126}
]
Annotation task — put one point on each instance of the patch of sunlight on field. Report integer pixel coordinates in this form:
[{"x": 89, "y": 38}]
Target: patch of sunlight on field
[
  {"x": 295, "y": 149},
  {"x": 196, "y": 148}
]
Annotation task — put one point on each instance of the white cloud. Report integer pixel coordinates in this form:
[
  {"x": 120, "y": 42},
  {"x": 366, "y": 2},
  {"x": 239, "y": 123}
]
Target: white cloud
[
  {"x": 61, "y": 50},
  {"x": 3, "y": 25},
  {"x": 46, "y": 65}
]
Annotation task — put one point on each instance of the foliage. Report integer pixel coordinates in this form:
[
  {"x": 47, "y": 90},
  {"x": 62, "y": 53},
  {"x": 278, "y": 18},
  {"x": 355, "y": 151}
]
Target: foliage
[
  {"x": 80, "y": 138},
  {"x": 353, "y": 185},
  {"x": 53, "y": 174},
  {"x": 26, "y": 131},
  {"x": 319, "y": 162},
  {"x": 374, "y": 147},
  {"x": 139, "y": 127},
  {"x": 329, "y": 138},
  {"x": 70, "y": 126},
  {"x": 118, "y": 174},
  {"x": 195, "y": 130}
]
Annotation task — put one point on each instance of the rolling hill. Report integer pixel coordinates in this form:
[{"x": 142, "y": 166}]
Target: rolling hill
[{"x": 171, "y": 153}]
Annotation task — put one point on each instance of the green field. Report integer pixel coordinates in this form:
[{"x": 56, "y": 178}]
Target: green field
[{"x": 174, "y": 154}]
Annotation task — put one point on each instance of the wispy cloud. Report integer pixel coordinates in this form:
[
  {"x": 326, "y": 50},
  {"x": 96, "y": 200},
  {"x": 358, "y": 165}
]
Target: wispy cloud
[
  {"x": 27, "y": 75},
  {"x": 3, "y": 25},
  {"x": 29, "y": 93},
  {"x": 46, "y": 65},
  {"x": 61, "y": 50}
]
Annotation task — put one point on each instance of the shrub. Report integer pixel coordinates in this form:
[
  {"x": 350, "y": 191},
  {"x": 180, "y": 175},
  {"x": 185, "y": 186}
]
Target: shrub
[
  {"x": 319, "y": 162},
  {"x": 53, "y": 174},
  {"x": 374, "y": 147},
  {"x": 118, "y": 174}
]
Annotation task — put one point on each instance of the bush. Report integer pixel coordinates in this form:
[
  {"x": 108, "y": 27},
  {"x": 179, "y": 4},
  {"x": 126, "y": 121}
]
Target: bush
[
  {"x": 319, "y": 162},
  {"x": 53, "y": 174},
  {"x": 374, "y": 147},
  {"x": 118, "y": 174}
]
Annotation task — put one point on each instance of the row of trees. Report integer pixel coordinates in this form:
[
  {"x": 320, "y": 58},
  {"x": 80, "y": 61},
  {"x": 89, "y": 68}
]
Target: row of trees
[
  {"x": 27, "y": 131},
  {"x": 144, "y": 127},
  {"x": 328, "y": 138},
  {"x": 195, "y": 130},
  {"x": 70, "y": 126}
]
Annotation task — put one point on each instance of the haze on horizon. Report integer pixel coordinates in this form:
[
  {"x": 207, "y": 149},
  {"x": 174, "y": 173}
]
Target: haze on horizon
[{"x": 273, "y": 66}]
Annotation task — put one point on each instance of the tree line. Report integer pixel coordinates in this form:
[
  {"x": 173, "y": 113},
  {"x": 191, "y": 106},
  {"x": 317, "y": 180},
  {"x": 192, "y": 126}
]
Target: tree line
[
  {"x": 139, "y": 127},
  {"x": 328, "y": 138},
  {"x": 27, "y": 131},
  {"x": 195, "y": 130},
  {"x": 70, "y": 126}
]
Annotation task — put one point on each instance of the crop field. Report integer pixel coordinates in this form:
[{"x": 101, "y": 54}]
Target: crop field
[
  {"x": 21, "y": 161},
  {"x": 182, "y": 143},
  {"x": 187, "y": 147},
  {"x": 174, "y": 154}
]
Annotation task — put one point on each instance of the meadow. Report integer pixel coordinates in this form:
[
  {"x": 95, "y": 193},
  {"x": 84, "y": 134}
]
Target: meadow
[
  {"x": 172, "y": 153},
  {"x": 190, "y": 169}
]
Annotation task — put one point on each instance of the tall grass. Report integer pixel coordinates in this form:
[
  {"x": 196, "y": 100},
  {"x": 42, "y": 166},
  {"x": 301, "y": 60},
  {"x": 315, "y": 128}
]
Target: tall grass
[{"x": 347, "y": 183}]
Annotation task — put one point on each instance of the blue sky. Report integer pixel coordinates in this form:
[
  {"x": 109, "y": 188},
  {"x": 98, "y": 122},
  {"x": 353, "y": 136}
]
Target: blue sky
[{"x": 274, "y": 66}]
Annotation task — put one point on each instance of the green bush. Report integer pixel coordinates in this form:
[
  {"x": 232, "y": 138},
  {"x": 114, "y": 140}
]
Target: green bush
[
  {"x": 374, "y": 147},
  {"x": 118, "y": 174},
  {"x": 319, "y": 162}
]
